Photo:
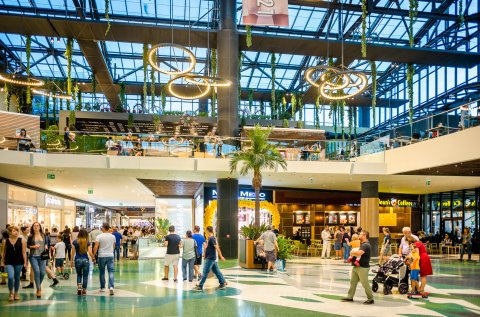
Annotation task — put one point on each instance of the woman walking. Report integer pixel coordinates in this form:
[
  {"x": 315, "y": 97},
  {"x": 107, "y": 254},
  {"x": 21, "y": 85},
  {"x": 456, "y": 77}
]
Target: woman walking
[
  {"x": 37, "y": 243},
  {"x": 188, "y": 257},
  {"x": 386, "y": 246},
  {"x": 81, "y": 249},
  {"x": 466, "y": 244},
  {"x": 14, "y": 257},
  {"x": 345, "y": 242}
]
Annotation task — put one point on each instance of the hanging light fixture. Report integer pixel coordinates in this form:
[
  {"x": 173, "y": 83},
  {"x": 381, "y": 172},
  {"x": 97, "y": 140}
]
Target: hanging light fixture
[
  {"x": 57, "y": 95},
  {"x": 21, "y": 80},
  {"x": 205, "y": 86},
  {"x": 152, "y": 54},
  {"x": 201, "y": 80}
]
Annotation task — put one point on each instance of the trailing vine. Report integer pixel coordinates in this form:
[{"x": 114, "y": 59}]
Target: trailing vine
[
  {"x": 300, "y": 105},
  {"x": 248, "y": 28},
  {"x": 77, "y": 103},
  {"x": 28, "y": 49},
  {"x": 72, "y": 119},
  {"x": 412, "y": 14},
  {"x": 145, "y": 66},
  {"x": 79, "y": 100},
  {"x": 294, "y": 106},
  {"x": 8, "y": 95},
  {"x": 94, "y": 91},
  {"x": 164, "y": 99},
  {"x": 373, "y": 67},
  {"x": 54, "y": 111},
  {"x": 262, "y": 108},
  {"x": 156, "y": 121},
  {"x": 364, "y": 28},
  {"x": 355, "y": 122},
  {"x": 213, "y": 60},
  {"x": 68, "y": 56},
  {"x": 47, "y": 117},
  {"x": 350, "y": 122},
  {"x": 272, "y": 67},
  {"x": 152, "y": 89},
  {"x": 250, "y": 100},
  {"x": 240, "y": 62},
  {"x": 107, "y": 15},
  {"x": 410, "y": 72},
  {"x": 461, "y": 17},
  {"x": 123, "y": 98},
  {"x": 130, "y": 121},
  {"x": 341, "y": 114},
  {"x": 284, "y": 104},
  {"x": 317, "y": 112}
]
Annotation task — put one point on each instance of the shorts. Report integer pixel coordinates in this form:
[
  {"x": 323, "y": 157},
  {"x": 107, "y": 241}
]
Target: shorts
[
  {"x": 337, "y": 246},
  {"x": 171, "y": 259},
  {"x": 59, "y": 262},
  {"x": 198, "y": 261},
  {"x": 414, "y": 275},
  {"x": 386, "y": 250},
  {"x": 270, "y": 256}
]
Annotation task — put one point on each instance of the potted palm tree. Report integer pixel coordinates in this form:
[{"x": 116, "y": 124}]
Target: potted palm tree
[
  {"x": 285, "y": 251},
  {"x": 258, "y": 156}
]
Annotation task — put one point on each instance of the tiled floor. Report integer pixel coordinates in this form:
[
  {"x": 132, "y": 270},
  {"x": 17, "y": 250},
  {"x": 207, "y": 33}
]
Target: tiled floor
[{"x": 312, "y": 287}]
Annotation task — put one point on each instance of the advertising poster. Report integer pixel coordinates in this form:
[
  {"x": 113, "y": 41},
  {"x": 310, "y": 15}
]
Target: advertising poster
[{"x": 265, "y": 12}]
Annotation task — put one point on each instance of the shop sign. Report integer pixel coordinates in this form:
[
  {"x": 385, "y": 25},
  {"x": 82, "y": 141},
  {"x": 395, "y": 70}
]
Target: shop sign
[
  {"x": 265, "y": 12},
  {"x": 31, "y": 210},
  {"x": 394, "y": 202},
  {"x": 244, "y": 195},
  {"x": 52, "y": 201},
  {"x": 456, "y": 203}
]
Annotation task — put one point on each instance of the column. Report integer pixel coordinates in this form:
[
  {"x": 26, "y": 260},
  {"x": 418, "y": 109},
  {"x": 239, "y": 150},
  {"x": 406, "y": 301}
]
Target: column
[
  {"x": 227, "y": 51},
  {"x": 3, "y": 205},
  {"x": 227, "y": 216},
  {"x": 369, "y": 213}
]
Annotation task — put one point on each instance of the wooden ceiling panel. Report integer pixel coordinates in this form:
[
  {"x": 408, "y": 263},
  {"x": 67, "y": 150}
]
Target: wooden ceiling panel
[
  {"x": 469, "y": 168},
  {"x": 166, "y": 188}
]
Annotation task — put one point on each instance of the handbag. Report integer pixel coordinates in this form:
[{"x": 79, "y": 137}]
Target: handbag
[
  {"x": 197, "y": 254},
  {"x": 45, "y": 255}
]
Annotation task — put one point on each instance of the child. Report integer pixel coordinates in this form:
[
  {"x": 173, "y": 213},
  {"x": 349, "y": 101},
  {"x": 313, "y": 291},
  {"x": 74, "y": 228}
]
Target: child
[
  {"x": 60, "y": 248},
  {"x": 261, "y": 253},
  {"x": 414, "y": 258},
  {"x": 355, "y": 244}
]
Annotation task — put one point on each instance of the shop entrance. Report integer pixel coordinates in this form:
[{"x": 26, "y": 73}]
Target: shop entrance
[{"x": 452, "y": 224}]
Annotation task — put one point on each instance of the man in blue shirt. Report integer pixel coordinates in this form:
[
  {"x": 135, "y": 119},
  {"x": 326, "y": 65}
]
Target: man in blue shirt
[
  {"x": 118, "y": 242},
  {"x": 200, "y": 240},
  {"x": 210, "y": 256}
]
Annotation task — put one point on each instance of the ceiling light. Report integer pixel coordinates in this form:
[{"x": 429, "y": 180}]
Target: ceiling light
[
  {"x": 206, "y": 80},
  {"x": 43, "y": 92},
  {"x": 206, "y": 89},
  {"x": 21, "y": 80},
  {"x": 152, "y": 54}
]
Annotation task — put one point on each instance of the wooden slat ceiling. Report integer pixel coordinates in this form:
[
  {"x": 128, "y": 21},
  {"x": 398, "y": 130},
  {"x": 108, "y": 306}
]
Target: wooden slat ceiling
[
  {"x": 164, "y": 188},
  {"x": 469, "y": 168}
]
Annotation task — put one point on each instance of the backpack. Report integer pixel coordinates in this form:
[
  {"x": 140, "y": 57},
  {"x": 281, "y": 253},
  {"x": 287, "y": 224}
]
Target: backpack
[{"x": 66, "y": 239}]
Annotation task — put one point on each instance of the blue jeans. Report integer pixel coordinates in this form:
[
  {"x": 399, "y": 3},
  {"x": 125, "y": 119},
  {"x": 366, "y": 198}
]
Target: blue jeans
[
  {"x": 108, "y": 262},
  {"x": 468, "y": 248},
  {"x": 190, "y": 264},
  {"x": 14, "y": 272},
  {"x": 81, "y": 266},
  {"x": 116, "y": 252},
  {"x": 346, "y": 251},
  {"x": 125, "y": 250},
  {"x": 211, "y": 265},
  {"x": 39, "y": 270}
]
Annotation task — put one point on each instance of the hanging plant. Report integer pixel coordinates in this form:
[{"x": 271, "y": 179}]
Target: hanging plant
[
  {"x": 248, "y": 28},
  {"x": 122, "y": 94},
  {"x": 8, "y": 95},
  {"x": 164, "y": 99},
  {"x": 213, "y": 61},
  {"x": 47, "y": 117},
  {"x": 284, "y": 104},
  {"x": 373, "y": 67},
  {"x": 107, "y": 15},
  {"x": 333, "y": 108},
  {"x": 262, "y": 108},
  {"x": 294, "y": 106},
  {"x": 410, "y": 72},
  {"x": 355, "y": 122},
  {"x": 145, "y": 66},
  {"x": 250, "y": 100},
  {"x": 76, "y": 103},
  {"x": 28, "y": 49},
  {"x": 156, "y": 121},
  {"x": 350, "y": 122},
  {"x": 79, "y": 101},
  {"x": 317, "y": 112},
  {"x": 461, "y": 17},
  {"x": 364, "y": 28},
  {"x": 68, "y": 56},
  {"x": 412, "y": 14},
  {"x": 341, "y": 115},
  {"x": 240, "y": 62},
  {"x": 72, "y": 120},
  {"x": 54, "y": 110},
  {"x": 152, "y": 89},
  {"x": 272, "y": 68},
  {"x": 130, "y": 121},
  {"x": 300, "y": 106}
]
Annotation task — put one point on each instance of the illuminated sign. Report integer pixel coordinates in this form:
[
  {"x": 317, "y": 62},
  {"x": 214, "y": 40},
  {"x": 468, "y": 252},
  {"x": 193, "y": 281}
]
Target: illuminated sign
[
  {"x": 211, "y": 193},
  {"x": 243, "y": 194},
  {"x": 52, "y": 201},
  {"x": 265, "y": 12},
  {"x": 394, "y": 202}
]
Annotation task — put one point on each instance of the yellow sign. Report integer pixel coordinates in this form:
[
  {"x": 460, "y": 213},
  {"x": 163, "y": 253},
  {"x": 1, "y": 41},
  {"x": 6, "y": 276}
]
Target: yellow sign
[
  {"x": 387, "y": 220},
  {"x": 393, "y": 202}
]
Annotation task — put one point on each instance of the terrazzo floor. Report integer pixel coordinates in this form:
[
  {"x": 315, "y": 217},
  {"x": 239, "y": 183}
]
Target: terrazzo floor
[{"x": 311, "y": 287}]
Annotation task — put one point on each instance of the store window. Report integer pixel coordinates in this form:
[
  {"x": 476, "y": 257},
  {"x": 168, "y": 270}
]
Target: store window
[
  {"x": 435, "y": 205},
  {"x": 470, "y": 205}
]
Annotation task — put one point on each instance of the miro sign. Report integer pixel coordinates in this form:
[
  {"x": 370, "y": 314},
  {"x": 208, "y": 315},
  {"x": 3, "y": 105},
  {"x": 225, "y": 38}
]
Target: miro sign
[
  {"x": 243, "y": 194},
  {"x": 394, "y": 202}
]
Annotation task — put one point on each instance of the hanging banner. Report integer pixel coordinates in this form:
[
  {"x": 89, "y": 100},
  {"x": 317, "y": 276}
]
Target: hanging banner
[{"x": 265, "y": 12}]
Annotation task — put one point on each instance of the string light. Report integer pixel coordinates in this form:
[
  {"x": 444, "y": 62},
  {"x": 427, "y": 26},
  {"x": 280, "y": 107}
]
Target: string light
[
  {"x": 152, "y": 56},
  {"x": 206, "y": 80},
  {"x": 202, "y": 94},
  {"x": 46, "y": 93},
  {"x": 21, "y": 80}
]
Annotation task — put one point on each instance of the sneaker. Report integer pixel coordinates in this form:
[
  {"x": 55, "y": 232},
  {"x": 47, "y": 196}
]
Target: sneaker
[
  {"x": 197, "y": 289},
  {"x": 221, "y": 286},
  {"x": 28, "y": 286},
  {"x": 368, "y": 302},
  {"x": 346, "y": 299},
  {"x": 111, "y": 291}
]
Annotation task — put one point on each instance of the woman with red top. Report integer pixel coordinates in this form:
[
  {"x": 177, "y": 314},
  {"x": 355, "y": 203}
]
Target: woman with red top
[{"x": 425, "y": 265}]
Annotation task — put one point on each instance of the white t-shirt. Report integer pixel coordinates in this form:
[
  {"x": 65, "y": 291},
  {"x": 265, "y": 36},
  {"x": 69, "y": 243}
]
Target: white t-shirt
[
  {"x": 60, "y": 250},
  {"x": 105, "y": 241}
]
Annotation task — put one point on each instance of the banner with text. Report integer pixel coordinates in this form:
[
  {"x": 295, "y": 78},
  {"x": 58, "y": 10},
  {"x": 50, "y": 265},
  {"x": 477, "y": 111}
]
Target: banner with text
[{"x": 265, "y": 12}]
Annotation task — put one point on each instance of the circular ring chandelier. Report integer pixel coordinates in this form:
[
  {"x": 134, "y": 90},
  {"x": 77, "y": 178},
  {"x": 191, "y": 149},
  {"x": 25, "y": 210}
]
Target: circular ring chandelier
[
  {"x": 46, "y": 93},
  {"x": 152, "y": 56},
  {"x": 21, "y": 80},
  {"x": 208, "y": 81},
  {"x": 333, "y": 81},
  {"x": 201, "y": 94}
]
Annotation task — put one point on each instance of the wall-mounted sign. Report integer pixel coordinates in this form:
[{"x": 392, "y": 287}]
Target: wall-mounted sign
[
  {"x": 243, "y": 194},
  {"x": 265, "y": 12},
  {"x": 52, "y": 201},
  {"x": 394, "y": 202},
  {"x": 31, "y": 210},
  {"x": 50, "y": 176}
]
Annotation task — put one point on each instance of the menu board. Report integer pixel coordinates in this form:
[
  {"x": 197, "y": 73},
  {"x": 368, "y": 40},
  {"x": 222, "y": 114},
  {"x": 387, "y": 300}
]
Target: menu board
[{"x": 342, "y": 218}]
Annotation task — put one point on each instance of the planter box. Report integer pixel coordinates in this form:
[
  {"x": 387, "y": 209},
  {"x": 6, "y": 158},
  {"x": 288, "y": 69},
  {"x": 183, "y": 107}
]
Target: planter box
[{"x": 246, "y": 254}]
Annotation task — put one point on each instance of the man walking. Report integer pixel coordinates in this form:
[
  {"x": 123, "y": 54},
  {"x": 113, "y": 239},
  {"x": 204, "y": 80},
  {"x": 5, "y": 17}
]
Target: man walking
[
  {"x": 326, "y": 243},
  {"x": 173, "y": 242},
  {"x": 360, "y": 273},
  {"x": 118, "y": 242},
  {"x": 104, "y": 245},
  {"x": 210, "y": 256},
  {"x": 404, "y": 247},
  {"x": 269, "y": 245},
  {"x": 200, "y": 240}
]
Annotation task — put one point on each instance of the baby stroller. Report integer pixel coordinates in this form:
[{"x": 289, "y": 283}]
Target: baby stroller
[{"x": 391, "y": 274}]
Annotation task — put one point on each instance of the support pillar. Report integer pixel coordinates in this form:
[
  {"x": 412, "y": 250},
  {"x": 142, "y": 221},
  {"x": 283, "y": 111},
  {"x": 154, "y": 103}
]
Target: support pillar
[
  {"x": 3, "y": 205},
  {"x": 369, "y": 213},
  {"x": 227, "y": 51},
  {"x": 227, "y": 216}
]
